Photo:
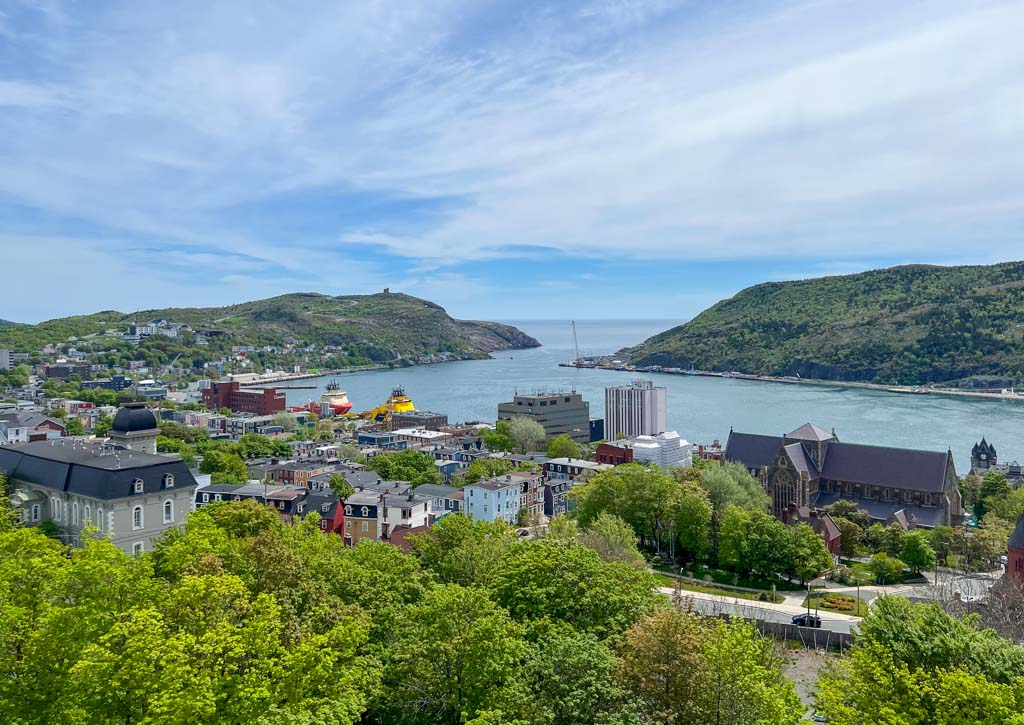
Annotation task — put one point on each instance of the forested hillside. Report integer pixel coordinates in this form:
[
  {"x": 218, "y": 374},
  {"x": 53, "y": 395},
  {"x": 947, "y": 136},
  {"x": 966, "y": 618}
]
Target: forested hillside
[
  {"x": 911, "y": 325},
  {"x": 383, "y": 327}
]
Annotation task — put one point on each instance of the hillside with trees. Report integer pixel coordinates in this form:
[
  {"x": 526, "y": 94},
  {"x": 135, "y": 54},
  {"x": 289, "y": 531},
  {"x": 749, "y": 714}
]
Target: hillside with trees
[
  {"x": 356, "y": 330},
  {"x": 913, "y": 324}
]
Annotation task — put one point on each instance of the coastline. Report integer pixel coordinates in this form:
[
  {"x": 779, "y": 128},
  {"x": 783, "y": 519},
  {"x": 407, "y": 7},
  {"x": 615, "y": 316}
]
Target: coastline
[{"x": 894, "y": 389}]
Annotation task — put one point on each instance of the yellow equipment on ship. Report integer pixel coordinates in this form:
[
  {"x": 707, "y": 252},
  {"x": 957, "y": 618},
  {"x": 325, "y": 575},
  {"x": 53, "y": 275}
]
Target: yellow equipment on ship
[{"x": 399, "y": 402}]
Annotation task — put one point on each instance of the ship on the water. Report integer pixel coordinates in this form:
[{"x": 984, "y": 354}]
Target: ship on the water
[
  {"x": 334, "y": 399},
  {"x": 398, "y": 402}
]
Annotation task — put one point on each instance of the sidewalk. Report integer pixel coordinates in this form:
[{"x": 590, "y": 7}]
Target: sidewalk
[{"x": 787, "y": 607}]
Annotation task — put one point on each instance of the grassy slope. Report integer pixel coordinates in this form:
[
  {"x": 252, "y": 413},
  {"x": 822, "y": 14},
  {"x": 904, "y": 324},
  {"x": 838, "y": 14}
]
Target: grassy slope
[
  {"x": 396, "y": 322},
  {"x": 912, "y": 324}
]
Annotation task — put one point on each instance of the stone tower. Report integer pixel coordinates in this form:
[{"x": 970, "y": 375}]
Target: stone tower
[
  {"x": 135, "y": 428},
  {"x": 983, "y": 456}
]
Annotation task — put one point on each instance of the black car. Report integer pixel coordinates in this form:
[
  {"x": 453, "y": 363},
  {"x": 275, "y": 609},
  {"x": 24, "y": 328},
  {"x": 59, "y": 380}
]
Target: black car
[{"x": 807, "y": 620}]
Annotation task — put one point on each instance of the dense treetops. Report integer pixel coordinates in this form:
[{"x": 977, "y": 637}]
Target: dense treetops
[
  {"x": 913, "y": 325},
  {"x": 913, "y": 663},
  {"x": 239, "y": 617}
]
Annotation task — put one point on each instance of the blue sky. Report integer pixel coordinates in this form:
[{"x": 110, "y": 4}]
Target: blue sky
[{"x": 508, "y": 160}]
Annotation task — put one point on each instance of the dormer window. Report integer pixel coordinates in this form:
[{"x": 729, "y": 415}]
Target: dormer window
[
  {"x": 168, "y": 480},
  {"x": 324, "y": 507},
  {"x": 138, "y": 486},
  {"x": 365, "y": 512}
]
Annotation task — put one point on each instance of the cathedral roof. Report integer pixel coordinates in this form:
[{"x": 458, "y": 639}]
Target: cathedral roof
[
  {"x": 810, "y": 432},
  {"x": 801, "y": 461}
]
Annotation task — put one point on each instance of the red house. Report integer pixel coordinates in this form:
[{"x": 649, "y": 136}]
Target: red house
[{"x": 614, "y": 454}]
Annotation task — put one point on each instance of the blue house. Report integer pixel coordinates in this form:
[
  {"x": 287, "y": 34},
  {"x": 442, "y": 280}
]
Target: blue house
[
  {"x": 494, "y": 499},
  {"x": 444, "y": 500}
]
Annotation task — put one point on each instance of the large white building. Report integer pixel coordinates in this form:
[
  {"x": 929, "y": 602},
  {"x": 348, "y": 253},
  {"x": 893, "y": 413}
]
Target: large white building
[
  {"x": 637, "y": 409},
  {"x": 665, "y": 450}
]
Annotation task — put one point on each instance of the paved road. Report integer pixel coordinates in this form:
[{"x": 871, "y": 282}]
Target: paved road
[{"x": 713, "y": 604}]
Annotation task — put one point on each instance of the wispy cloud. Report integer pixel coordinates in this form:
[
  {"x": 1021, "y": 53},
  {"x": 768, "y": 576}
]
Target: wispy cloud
[{"x": 251, "y": 136}]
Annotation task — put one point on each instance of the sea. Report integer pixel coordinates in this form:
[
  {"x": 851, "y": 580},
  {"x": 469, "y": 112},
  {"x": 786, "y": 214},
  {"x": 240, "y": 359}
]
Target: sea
[{"x": 701, "y": 409}]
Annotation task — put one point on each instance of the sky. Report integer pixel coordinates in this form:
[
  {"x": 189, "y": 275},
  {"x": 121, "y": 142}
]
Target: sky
[{"x": 507, "y": 160}]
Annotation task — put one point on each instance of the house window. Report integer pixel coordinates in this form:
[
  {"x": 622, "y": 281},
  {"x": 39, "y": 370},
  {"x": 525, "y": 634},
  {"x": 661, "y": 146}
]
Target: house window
[
  {"x": 74, "y": 513},
  {"x": 168, "y": 512},
  {"x": 168, "y": 480},
  {"x": 87, "y": 518},
  {"x": 366, "y": 526},
  {"x": 35, "y": 512},
  {"x": 348, "y": 510},
  {"x": 324, "y": 507},
  {"x": 138, "y": 485},
  {"x": 99, "y": 517},
  {"x": 348, "y": 525},
  {"x": 137, "y": 547},
  {"x": 137, "y": 517},
  {"x": 217, "y": 497},
  {"x": 206, "y": 498},
  {"x": 365, "y": 511}
]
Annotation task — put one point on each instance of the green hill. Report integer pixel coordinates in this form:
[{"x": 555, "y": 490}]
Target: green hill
[
  {"x": 910, "y": 325},
  {"x": 382, "y": 327},
  {"x": 7, "y": 323}
]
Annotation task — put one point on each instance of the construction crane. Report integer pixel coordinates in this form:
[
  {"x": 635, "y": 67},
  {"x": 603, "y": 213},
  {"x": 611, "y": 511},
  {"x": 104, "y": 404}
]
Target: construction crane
[{"x": 576, "y": 345}]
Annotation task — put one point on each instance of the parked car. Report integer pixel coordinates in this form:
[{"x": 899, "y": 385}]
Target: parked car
[{"x": 807, "y": 620}]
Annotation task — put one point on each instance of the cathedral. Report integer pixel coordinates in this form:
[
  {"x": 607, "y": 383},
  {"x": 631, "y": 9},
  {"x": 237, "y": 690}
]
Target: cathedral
[
  {"x": 984, "y": 459},
  {"x": 811, "y": 467}
]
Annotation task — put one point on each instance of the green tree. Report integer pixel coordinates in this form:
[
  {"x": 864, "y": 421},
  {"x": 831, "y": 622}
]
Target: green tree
[
  {"x": 730, "y": 484},
  {"x": 483, "y": 468},
  {"x": 733, "y": 552},
  {"x": 915, "y": 663},
  {"x": 572, "y": 679},
  {"x": 456, "y": 655},
  {"x": 500, "y": 439},
  {"x": 413, "y": 466},
  {"x": 340, "y": 487},
  {"x": 285, "y": 420},
  {"x": 918, "y": 554},
  {"x": 652, "y": 495},
  {"x": 548, "y": 580},
  {"x": 613, "y": 540},
  {"x": 102, "y": 425},
  {"x": 459, "y": 550},
  {"x": 770, "y": 545},
  {"x": 693, "y": 520},
  {"x": 562, "y": 446},
  {"x": 224, "y": 467},
  {"x": 994, "y": 487},
  {"x": 810, "y": 555},
  {"x": 885, "y": 568},
  {"x": 844, "y": 509},
  {"x": 683, "y": 668},
  {"x": 941, "y": 540},
  {"x": 74, "y": 427},
  {"x": 892, "y": 540},
  {"x": 851, "y": 537},
  {"x": 254, "y": 445},
  {"x": 527, "y": 433}
]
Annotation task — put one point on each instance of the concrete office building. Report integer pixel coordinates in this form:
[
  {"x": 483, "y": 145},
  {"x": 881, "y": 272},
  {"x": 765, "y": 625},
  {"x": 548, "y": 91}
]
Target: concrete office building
[
  {"x": 558, "y": 413},
  {"x": 637, "y": 409}
]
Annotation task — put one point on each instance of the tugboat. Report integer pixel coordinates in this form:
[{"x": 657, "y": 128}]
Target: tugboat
[
  {"x": 398, "y": 402},
  {"x": 333, "y": 397}
]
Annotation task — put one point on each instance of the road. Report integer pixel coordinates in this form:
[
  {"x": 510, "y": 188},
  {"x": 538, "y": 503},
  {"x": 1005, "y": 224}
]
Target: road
[{"x": 713, "y": 604}]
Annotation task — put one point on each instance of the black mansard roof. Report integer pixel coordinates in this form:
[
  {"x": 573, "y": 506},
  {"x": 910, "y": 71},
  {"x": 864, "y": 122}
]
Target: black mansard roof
[{"x": 63, "y": 466}]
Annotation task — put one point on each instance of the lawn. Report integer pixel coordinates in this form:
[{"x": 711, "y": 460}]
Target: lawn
[
  {"x": 860, "y": 570},
  {"x": 719, "y": 576},
  {"x": 667, "y": 581},
  {"x": 835, "y": 602}
]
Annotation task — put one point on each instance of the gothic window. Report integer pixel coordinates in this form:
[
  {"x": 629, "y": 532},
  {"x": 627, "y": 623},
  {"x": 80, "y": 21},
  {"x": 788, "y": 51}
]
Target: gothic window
[
  {"x": 168, "y": 512},
  {"x": 137, "y": 517}
]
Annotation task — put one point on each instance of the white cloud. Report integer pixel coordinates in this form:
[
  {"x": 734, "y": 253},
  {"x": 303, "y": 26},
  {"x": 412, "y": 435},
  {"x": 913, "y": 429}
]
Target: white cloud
[{"x": 827, "y": 130}]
